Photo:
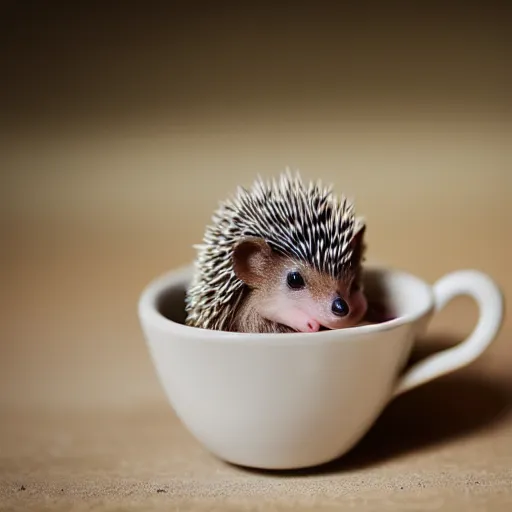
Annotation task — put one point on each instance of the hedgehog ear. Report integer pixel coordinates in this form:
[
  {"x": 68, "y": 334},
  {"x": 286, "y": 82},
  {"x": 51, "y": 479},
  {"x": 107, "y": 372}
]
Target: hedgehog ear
[
  {"x": 357, "y": 242},
  {"x": 251, "y": 256}
]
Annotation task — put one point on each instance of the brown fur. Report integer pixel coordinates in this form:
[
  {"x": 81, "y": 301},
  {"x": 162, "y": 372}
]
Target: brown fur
[
  {"x": 257, "y": 266},
  {"x": 247, "y": 319}
]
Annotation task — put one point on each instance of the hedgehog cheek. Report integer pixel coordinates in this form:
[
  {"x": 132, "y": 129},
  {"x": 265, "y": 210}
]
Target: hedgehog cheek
[{"x": 359, "y": 304}]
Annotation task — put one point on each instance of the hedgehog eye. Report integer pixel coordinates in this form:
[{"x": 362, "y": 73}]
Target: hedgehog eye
[
  {"x": 295, "y": 280},
  {"x": 340, "y": 307}
]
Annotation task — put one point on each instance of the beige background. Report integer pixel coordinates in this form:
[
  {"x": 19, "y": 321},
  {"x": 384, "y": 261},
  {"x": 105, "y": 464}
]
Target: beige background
[{"x": 121, "y": 128}]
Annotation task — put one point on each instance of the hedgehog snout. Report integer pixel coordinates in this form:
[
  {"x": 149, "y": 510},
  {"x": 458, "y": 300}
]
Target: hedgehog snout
[{"x": 313, "y": 326}]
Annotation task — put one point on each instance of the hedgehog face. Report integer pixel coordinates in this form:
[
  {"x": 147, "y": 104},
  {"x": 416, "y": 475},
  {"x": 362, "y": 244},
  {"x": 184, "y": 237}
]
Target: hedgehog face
[{"x": 292, "y": 293}]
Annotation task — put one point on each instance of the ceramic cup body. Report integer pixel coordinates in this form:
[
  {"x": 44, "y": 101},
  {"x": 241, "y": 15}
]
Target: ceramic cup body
[{"x": 286, "y": 401}]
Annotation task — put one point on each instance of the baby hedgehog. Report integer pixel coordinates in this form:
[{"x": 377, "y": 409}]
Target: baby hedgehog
[{"x": 280, "y": 257}]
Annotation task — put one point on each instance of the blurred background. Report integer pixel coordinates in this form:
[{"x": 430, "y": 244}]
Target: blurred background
[{"x": 123, "y": 124}]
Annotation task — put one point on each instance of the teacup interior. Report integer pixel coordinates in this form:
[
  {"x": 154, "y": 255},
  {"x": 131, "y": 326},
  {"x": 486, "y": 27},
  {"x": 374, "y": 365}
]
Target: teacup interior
[
  {"x": 390, "y": 294},
  {"x": 171, "y": 303}
]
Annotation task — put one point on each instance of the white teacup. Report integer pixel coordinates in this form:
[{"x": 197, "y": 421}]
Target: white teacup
[{"x": 285, "y": 401}]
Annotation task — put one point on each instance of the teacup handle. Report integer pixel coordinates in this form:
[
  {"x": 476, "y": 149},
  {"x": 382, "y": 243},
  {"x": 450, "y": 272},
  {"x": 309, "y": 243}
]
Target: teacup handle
[{"x": 490, "y": 303}]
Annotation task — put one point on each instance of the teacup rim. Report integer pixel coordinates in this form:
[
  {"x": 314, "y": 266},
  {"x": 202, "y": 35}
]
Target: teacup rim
[{"x": 149, "y": 313}]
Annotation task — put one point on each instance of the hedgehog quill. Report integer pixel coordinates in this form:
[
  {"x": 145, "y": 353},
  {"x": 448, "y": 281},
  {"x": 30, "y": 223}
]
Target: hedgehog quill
[{"x": 282, "y": 256}]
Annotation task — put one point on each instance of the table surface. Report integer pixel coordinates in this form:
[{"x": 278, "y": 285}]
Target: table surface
[
  {"x": 85, "y": 422},
  {"x": 118, "y": 135},
  {"x": 427, "y": 452}
]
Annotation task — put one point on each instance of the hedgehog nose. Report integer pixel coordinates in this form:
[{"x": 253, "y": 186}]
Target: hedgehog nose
[
  {"x": 313, "y": 326},
  {"x": 339, "y": 307}
]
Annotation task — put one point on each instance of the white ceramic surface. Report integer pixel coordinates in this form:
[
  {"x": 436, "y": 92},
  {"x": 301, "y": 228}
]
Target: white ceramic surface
[{"x": 288, "y": 401}]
